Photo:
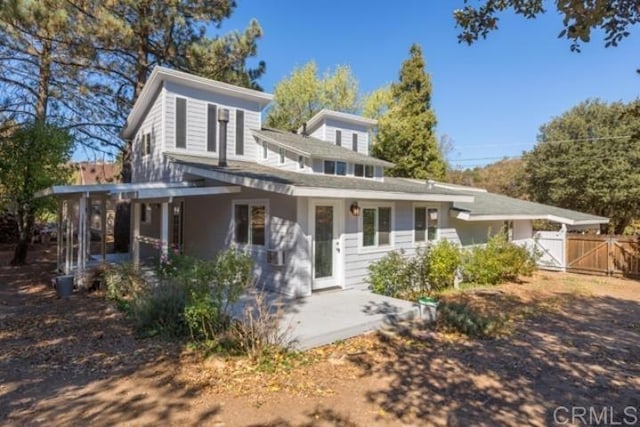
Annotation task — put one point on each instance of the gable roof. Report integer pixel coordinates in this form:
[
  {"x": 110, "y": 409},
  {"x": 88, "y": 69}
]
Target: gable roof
[
  {"x": 337, "y": 115},
  {"x": 315, "y": 148},
  {"x": 161, "y": 74},
  {"x": 306, "y": 184},
  {"x": 497, "y": 207}
]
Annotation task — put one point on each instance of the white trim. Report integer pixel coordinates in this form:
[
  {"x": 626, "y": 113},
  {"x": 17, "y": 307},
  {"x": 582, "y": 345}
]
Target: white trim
[
  {"x": 267, "y": 218},
  {"x": 338, "y": 277},
  {"x": 279, "y": 144},
  {"x": 377, "y": 195},
  {"x": 392, "y": 231},
  {"x": 336, "y": 115},
  {"x": 467, "y": 216},
  {"x": 184, "y": 192},
  {"x": 61, "y": 190},
  {"x": 163, "y": 121},
  {"x": 161, "y": 74}
]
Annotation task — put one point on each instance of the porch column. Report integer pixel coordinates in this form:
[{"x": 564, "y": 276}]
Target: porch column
[
  {"x": 82, "y": 239},
  {"x": 103, "y": 228},
  {"x": 59, "y": 246},
  {"x": 164, "y": 229},
  {"x": 135, "y": 241},
  {"x": 68, "y": 221}
]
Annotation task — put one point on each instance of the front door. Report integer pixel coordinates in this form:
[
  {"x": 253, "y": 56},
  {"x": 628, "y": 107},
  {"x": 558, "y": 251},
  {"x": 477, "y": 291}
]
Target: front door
[{"x": 326, "y": 244}]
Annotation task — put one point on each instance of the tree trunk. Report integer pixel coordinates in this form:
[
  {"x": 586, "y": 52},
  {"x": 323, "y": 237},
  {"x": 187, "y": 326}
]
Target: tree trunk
[{"x": 26, "y": 220}]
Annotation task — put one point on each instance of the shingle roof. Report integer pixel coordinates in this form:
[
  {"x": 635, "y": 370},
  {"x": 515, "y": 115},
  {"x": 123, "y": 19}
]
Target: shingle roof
[
  {"x": 490, "y": 204},
  {"x": 280, "y": 176},
  {"x": 316, "y": 148}
]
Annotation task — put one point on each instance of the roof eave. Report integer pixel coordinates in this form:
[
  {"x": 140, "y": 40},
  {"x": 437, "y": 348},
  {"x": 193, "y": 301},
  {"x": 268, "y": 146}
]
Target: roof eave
[{"x": 469, "y": 216}]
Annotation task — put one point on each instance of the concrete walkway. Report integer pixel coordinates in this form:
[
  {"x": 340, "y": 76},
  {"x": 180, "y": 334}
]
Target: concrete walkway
[{"x": 336, "y": 315}]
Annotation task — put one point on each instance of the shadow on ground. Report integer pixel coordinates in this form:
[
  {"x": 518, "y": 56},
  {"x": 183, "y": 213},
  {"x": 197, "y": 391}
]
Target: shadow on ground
[
  {"x": 586, "y": 353},
  {"x": 76, "y": 361}
]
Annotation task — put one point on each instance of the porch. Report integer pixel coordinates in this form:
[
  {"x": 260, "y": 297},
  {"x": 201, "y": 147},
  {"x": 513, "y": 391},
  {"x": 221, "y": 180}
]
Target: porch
[{"x": 329, "y": 316}]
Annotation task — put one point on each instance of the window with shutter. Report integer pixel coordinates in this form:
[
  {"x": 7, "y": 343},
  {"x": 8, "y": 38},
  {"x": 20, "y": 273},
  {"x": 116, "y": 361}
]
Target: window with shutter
[
  {"x": 212, "y": 127},
  {"x": 240, "y": 132},
  {"x": 181, "y": 123}
]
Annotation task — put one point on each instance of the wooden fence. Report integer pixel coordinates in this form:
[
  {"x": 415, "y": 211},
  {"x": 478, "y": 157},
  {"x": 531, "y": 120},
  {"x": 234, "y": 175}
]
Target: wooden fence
[{"x": 603, "y": 254}]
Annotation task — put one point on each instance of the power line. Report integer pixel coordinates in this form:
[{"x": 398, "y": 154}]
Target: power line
[{"x": 602, "y": 138}]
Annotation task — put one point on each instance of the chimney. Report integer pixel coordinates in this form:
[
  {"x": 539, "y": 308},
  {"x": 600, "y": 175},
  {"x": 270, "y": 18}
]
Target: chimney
[
  {"x": 304, "y": 129},
  {"x": 223, "y": 119}
]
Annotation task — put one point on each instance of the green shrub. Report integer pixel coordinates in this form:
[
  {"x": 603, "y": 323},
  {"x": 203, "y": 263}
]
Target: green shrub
[
  {"x": 497, "y": 262},
  {"x": 392, "y": 275},
  {"x": 160, "y": 310},
  {"x": 460, "y": 317},
  {"x": 123, "y": 283},
  {"x": 443, "y": 262}
]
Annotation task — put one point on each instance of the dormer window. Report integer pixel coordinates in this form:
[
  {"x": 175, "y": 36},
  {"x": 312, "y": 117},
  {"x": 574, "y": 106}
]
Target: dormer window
[
  {"x": 354, "y": 143},
  {"x": 300, "y": 162},
  {"x": 282, "y": 158},
  {"x": 335, "y": 168},
  {"x": 339, "y": 138},
  {"x": 361, "y": 170}
]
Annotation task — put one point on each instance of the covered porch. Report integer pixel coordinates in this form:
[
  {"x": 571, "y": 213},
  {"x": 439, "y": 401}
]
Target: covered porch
[{"x": 81, "y": 229}]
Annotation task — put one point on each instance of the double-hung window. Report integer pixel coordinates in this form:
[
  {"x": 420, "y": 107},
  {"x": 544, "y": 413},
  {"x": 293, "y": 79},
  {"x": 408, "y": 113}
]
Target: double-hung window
[
  {"x": 376, "y": 226},
  {"x": 425, "y": 224},
  {"x": 250, "y": 222},
  {"x": 146, "y": 144}
]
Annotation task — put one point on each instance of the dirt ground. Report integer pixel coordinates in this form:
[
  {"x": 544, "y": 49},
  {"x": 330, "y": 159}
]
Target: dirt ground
[{"x": 575, "y": 341}]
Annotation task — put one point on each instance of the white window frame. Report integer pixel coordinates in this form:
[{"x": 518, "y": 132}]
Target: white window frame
[
  {"x": 427, "y": 207},
  {"x": 282, "y": 153},
  {"x": 146, "y": 135},
  {"x": 251, "y": 203},
  {"x": 392, "y": 232},
  {"x": 335, "y": 167}
]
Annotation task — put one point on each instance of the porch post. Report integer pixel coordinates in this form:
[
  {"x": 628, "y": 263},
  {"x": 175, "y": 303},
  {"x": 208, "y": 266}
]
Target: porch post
[
  {"x": 103, "y": 228},
  {"x": 82, "y": 239},
  {"x": 135, "y": 241},
  {"x": 59, "y": 238},
  {"x": 68, "y": 220},
  {"x": 164, "y": 229}
]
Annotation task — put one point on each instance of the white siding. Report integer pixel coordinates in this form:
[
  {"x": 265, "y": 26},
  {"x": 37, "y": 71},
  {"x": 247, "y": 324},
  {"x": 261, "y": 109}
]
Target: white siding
[
  {"x": 208, "y": 230},
  {"x": 475, "y": 232},
  {"x": 348, "y": 129},
  {"x": 290, "y": 159},
  {"x": 318, "y": 132},
  {"x": 357, "y": 260},
  {"x": 197, "y": 121},
  {"x": 149, "y": 167}
]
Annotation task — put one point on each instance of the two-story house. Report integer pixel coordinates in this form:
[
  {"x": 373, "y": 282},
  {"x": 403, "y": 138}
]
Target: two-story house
[{"x": 313, "y": 208}]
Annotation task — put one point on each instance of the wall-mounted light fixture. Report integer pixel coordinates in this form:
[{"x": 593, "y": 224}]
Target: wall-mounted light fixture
[{"x": 354, "y": 209}]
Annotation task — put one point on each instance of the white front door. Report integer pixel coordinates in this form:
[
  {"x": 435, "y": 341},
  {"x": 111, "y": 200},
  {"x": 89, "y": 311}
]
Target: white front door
[{"x": 325, "y": 232}]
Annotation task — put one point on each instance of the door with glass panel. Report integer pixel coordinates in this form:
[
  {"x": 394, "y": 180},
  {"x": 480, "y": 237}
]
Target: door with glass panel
[{"x": 325, "y": 219}]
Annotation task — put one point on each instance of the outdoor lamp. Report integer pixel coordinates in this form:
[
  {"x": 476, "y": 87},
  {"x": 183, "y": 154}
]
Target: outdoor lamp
[{"x": 354, "y": 209}]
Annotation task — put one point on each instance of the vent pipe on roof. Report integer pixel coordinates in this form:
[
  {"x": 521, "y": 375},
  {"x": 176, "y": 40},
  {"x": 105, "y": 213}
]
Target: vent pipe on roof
[
  {"x": 223, "y": 119},
  {"x": 430, "y": 183}
]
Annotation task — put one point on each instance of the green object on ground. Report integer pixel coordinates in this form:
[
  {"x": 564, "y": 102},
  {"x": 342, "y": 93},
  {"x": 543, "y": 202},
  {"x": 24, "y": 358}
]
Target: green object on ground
[{"x": 427, "y": 300}]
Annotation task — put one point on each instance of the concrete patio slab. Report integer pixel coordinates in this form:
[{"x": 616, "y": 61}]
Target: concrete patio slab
[{"x": 330, "y": 316}]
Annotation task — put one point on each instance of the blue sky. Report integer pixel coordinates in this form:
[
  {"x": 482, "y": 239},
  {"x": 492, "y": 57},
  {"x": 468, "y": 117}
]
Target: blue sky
[{"x": 490, "y": 97}]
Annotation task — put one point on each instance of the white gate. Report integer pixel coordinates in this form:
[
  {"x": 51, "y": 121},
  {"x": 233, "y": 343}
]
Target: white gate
[{"x": 550, "y": 249}]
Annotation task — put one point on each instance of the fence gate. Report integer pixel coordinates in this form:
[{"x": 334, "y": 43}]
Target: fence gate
[
  {"x": 601, "y": 254},
  {"x": 550, "y": 250}
]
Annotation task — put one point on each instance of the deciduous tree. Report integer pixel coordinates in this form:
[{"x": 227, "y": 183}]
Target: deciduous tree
[
  {"x": 32, "y": 157},
  {"x": 580, "y": 18},
  {"x": 304, "y": 93},
  {"x": 588, "y": 160},
  {"x": 406, "y": 133}
]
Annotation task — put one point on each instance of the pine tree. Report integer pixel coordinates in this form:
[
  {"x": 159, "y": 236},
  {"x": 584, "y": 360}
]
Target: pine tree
[{"x": 406, "y": 133}]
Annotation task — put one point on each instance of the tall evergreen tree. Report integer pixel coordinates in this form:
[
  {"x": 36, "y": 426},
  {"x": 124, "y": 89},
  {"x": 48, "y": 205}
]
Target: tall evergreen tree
[{"x": 406, "y": 133}]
